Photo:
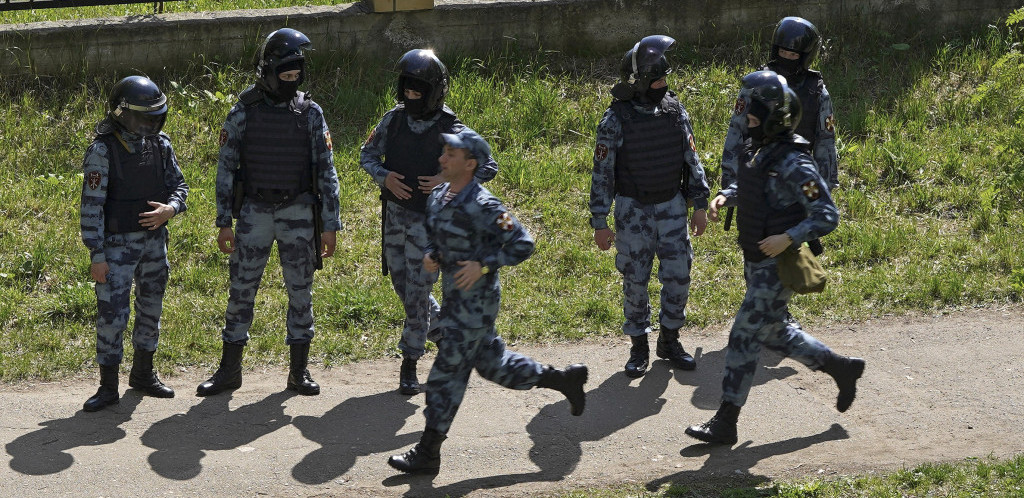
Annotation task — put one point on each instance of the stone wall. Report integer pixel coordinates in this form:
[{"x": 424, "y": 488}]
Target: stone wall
[{"x": 150, "y": 43}]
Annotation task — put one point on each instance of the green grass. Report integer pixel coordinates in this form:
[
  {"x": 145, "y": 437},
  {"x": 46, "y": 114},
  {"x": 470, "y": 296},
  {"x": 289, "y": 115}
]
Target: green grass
[
  {"x": 932, "y": 180},
  {"x": 974, "y": 477},
  {"x": 143, "y": 9}
]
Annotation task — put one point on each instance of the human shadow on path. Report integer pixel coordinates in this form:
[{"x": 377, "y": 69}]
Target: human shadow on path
[
  {"x": 614, "y": 405},
  {"x": 707, "y": 392},
  {"x": 181, "y": 440},
  {"x": 732, "y": 462},
  {"x": 356, "y": 427},
  {"x": 44, "y": 451}
]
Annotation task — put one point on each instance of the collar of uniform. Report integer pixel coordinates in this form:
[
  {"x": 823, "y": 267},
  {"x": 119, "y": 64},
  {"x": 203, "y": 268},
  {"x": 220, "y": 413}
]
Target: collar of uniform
[
  {"x": 131, "y": 142},
  {"x": 421, "y": 125},
  {"x": 461, "y": 195},
  {"x": 650, "y": 109}
]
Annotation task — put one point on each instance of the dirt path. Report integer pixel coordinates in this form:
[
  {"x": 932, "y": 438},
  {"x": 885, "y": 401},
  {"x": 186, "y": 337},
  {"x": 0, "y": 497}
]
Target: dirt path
[{"x": 935, "y": 389}]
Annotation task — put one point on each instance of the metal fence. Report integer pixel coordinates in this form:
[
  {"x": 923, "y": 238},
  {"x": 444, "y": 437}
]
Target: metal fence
[{"x": 158, "y": 7}]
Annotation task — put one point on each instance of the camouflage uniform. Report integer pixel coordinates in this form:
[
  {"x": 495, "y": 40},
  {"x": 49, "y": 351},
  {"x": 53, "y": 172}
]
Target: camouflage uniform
[
  {"x": 260, "y": 224},
  {"x": 643, "y": 231},
  {"x": 475, "y": 226},
  {"x": 136, "y": 255},
  {"x": 405, "y": 235},
  {"x": 762, "y": 317},
  {"x": 823, "y": 141}
]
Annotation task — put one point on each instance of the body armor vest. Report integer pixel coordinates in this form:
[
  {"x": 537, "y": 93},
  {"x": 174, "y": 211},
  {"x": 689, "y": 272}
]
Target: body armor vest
[
  {"x": 755, "y": 218},
  {"x": 276, "y": 154},
  {"x": 132, "y": 181},
  {"x": 809, "y": 93},
  {"x": 414, "y": 154},
  {"x": 649, "y": 165}
]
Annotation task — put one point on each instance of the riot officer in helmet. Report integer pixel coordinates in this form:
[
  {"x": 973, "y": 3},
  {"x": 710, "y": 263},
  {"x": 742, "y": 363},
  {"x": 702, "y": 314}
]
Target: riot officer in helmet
[
  {"x": 646, "y": 163},
  {"x": 401, "y": 156},
  {"x": 275, "y": 183},
  {"x": 132, "y": 187},
  {"x": 783, "y": 203},
  {"x": 795, "y": 46}
]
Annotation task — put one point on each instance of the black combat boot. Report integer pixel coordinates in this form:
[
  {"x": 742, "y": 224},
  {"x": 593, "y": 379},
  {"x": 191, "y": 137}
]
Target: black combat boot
[
  {"x": 143, "y": 378},
  {"x": 568, "y": 382},
  {"x": 407, "y": 381},
  {"x": 424, "y": 458},
  {"x": 299, "y": 379},
  {"x": 107, "y": 394},
  {"x": 228, "y": 375},
  {"x": 721, "y": 429},
  {"x": 639, "y": 356},
  {"x": 670, "y": 349},
  {"x": 845, "y": 370}
]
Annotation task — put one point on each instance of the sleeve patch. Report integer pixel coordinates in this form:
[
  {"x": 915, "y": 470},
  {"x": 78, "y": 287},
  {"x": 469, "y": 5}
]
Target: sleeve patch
[
  {"x": 741, "y": 105},
  {"x": 830, "y": 123},
  {"x": 92, "y": 179},
  {"x": 505, "y": 222},
  {"x": 693, "y": 144},
  {"x": 369, "y": 139},
  {"x": 327, "y": 139},
  {"x": 601, "y": 152},
  {"x": 811, "y": 190},
  {"x": 223, "y": 137}
]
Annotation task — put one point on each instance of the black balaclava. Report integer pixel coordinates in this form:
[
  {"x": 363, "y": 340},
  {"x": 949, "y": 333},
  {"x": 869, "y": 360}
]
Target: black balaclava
[
  {"x": 287, "y": 90},
  {"x": 654, "y": 95},
  {"x": 788, "y": 68},
  {"x": 417, "y": 108},
  {"x": 760, "y": 112}
]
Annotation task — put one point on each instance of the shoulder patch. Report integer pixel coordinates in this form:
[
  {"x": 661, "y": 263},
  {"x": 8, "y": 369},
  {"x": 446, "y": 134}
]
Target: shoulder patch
[
  {"x": 811, "y": 190},
  {"x": 830, "y": 123},
  {"x": 92, "y": 179},
  {"x": 223, "y": 137},
  {"x": 369, "y": 139},
  {"x": 327, "y": 139},
  {"x": 693, "y": 144},
  {"x": 505, "y": 222},
  {"x": 601, "y": 152},
  {"x": 741, "y": 105}
]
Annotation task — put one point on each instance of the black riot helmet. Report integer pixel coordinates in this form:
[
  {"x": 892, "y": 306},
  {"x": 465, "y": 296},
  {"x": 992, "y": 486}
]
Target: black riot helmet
[
  {"x": 283, "y": 50},
  {"x": 774, "y": 103},
  {"x": 422, "y": 71},
  {"x": 137, "y": 105},
  {"x": 795, "y": 34},
  {"x": 642, "y": 65}
]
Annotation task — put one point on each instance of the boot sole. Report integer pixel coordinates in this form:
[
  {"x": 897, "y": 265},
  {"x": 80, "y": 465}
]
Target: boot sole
[
  {"x": 230, "y": 387},
  {"x": 304, "y": 392},
  {"x": 98, "y": 408},
  {"x": 700, "y": 436},
  {"x": 841, "y": 403},
  {"x": 428, "y": 471}
]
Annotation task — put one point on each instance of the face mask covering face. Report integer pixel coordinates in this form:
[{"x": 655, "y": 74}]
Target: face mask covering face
[{"x": 654, "y": 95}]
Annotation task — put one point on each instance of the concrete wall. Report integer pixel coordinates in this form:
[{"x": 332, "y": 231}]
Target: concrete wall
[{"x": 154, "y": 42}]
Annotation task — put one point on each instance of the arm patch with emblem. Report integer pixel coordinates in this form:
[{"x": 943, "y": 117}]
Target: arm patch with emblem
[
  {"x": 505, "y": 222},
  {"x": 811, "y": 190}
]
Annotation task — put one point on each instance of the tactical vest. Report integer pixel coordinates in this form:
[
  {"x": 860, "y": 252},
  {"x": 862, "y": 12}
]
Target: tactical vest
[
  {"x": 132, "y": 181},
  {"x": 649, "y": 166},
  {"x": 276, "y": 155},
  {"x": 755, "y": 218},
  {"x": 413, "y": 155},
  {"x": 810, "y": 95}
]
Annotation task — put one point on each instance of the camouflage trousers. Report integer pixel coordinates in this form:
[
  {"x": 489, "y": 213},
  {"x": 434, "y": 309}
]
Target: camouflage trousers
[
  {"x": 258, "y": 227},
  {"x": 139, "y": 257},
  {"x": 457, "y": 355},
  {"x": 643, "y": 231},
  {"x": 762, "y": 321},
  {"x": 405, "y": 236}
]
